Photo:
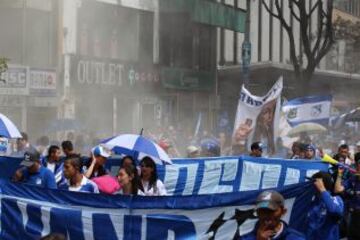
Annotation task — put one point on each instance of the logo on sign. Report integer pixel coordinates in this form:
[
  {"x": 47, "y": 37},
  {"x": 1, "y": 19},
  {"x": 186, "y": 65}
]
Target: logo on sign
[{"x": 316, "y": 110}]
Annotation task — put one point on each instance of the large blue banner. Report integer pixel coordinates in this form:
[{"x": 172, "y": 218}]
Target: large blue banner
[
  {"x": 29, "y": 212},
  {"x": 216, "y": 175},
  {"x": 210, "y": 195}
]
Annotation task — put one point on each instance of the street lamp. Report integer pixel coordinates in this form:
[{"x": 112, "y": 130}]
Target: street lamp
[{"x": 246, "y": 47}]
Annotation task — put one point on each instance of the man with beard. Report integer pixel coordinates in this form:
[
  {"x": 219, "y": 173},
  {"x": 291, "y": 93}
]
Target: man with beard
[{"x": 270, "y": 207}]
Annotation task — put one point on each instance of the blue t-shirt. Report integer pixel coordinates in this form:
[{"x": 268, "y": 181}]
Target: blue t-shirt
[
  {"x": 324, "y": 216},
  {"x": 43, "y": 178},
  {"x": 286, "y": 234},
  {"x": 86, "y": 185},
  {"x": 56, "y": 169}
]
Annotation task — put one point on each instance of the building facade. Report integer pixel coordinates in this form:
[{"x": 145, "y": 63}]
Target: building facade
[
  {"x": 270, "y": 56},
  {"x": 29, "y": 40},
  {"x": 141, "y": 64}
]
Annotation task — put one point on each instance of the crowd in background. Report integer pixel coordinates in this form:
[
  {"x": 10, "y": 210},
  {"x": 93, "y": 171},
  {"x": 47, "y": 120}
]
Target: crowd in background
[{"x": 335, "y": 210}]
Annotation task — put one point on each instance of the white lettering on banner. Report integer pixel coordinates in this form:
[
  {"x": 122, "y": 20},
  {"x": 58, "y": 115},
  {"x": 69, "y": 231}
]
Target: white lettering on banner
[
  {"x": 311, "y": 172},
  {"x": 125, "y": 224},
  {"x": 249, "y": 100},
  {"x": 45, "y": 216},
  {"x": 91, "y": 72},
  {"x": 257, "y": 176},
  {"x": 172, "y": 175},
  {"x": 216, "y": 171},
  {"x": 292, "y": 176},
  {"x": 88, "y": 225},
  {"x": 24, "y": 216}
]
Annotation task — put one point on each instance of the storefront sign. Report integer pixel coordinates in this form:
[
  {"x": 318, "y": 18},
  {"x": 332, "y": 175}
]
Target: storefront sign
[
  {"x": 14, "y": 81},
  {"x": 110, "y": 74},
  {"x": 187, "y": 79},
  {"x": 42, "y": 82}
]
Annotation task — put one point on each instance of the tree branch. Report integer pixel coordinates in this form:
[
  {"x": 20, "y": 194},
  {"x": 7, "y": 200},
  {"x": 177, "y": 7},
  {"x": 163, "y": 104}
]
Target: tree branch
[
  {"x": 320, "y": 28},
  {"x": 269, "y": 11},
  {"x": 314, "y": 7},
  {"x": 291, "y": 7}
]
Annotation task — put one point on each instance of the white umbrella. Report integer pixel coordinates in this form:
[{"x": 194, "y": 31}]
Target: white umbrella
[
  {"x": 8, "y": 128},
  {"x": 309, "y": 128},
  {"x": 131, "y": 144}
]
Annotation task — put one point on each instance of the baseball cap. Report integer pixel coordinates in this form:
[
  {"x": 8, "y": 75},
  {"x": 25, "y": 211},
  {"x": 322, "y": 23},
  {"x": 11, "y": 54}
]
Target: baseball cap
[
  {"x": 270, "y": 200},
  {"x": 192, "y": 149},
  {"x": 30, "y": 157},
  {"x": 101, "y": 151},
  {"x": 210, "y": 145},
  {"x": 257, "y": 146},
  {"x": 310, "y": 147}
]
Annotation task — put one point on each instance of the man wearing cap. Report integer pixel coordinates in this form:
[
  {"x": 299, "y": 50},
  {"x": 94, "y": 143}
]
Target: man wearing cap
[
  {"x": 96, "y": 165},
  {"x": 34, "y": 173},
  {"x": 256, "y": 149},
  {"x": 310, "y": 151},
  {"x": 350, "y": 189},
  {"x": 210, "y": 147},
  {"x": 270, "y": 207},
  {"x": 192, "y": 152}
]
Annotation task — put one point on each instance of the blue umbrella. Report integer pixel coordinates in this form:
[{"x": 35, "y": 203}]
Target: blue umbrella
[
  {"x": 134, "y": 145},
  {"x": 8, "y": 128}
]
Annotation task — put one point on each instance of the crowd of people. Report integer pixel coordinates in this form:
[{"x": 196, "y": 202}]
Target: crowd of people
[
  {"x": 335, "y": 210},
  {"x": 72, "y": 173}
]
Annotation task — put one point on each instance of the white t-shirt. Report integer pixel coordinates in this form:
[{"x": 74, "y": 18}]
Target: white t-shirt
[
  {"x": 51, "y": 167},
  {"x": 86, "y": 185},
  {"x": 158, "y": 190}
]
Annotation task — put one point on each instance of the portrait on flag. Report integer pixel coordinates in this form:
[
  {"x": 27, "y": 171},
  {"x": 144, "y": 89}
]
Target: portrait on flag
[{"x": 257, "y": 118}]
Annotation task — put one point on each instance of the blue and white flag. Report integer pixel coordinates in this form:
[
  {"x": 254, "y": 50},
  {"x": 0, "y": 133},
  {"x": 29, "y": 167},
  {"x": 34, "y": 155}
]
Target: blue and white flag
[{"x": 308, "y": 109}]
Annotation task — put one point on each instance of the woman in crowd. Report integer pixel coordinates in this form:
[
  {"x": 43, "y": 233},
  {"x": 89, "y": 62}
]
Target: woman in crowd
[
  {"x": 129, "y": 180},
  {"x": 150, "y": 185},
  {"x": 127, "y": 161}
]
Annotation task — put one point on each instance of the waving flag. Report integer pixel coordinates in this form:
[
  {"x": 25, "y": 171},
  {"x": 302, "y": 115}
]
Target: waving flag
[{"x": 308, "y": 109}]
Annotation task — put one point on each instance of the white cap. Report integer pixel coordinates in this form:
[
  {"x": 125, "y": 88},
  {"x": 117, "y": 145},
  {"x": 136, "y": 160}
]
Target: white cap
[{"x": 101, "y": 151}]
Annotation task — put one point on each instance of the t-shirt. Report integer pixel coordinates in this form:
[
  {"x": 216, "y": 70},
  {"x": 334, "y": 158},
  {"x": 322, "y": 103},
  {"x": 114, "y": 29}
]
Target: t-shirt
[
  {"x": 86, "y": 185},
  {"x": 324, "y": 216},
  {"x": 56, "y": 169},
  {"x": 43, "y": 177},
  {"x": 157, "y": 190},
  {"x": 286, "y": 233}
]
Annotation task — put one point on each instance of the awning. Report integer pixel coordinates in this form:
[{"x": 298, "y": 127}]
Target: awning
[{"x": 206, "y": 12}]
